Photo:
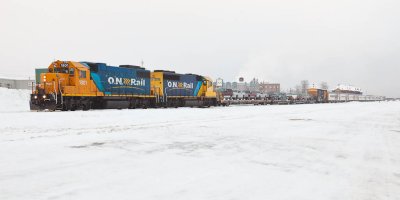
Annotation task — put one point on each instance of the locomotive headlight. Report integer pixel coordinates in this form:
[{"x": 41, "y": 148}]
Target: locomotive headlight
[
  {"x": 44, "y": 96},
  {"x": 35, "y": 97}
]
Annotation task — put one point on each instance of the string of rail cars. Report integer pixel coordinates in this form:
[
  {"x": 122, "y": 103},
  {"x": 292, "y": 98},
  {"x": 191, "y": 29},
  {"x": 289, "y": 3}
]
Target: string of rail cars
[
  {"x": 68, "y": 85},
  {"x": 314, "y": 95}
]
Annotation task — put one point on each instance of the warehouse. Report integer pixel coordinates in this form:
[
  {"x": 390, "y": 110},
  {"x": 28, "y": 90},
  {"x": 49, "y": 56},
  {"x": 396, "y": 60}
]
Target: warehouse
[{"x": 16, "y": 83}]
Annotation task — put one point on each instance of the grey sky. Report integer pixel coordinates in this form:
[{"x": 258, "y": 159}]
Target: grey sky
[{"x": 342, "y": 41}]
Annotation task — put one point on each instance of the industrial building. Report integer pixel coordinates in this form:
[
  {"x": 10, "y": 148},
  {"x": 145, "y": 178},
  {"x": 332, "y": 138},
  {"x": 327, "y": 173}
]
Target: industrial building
[
  {"x": 270, "y": 87},
  {"x": 16, "y": 83}
]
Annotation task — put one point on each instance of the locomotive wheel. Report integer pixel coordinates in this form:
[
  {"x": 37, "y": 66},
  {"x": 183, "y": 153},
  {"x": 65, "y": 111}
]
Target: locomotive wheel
[{"x": 86, "y": 107}]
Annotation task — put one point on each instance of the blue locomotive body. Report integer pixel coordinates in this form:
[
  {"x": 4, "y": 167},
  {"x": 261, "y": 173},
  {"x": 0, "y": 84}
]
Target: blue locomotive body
[{"x": 118, "y": 81}]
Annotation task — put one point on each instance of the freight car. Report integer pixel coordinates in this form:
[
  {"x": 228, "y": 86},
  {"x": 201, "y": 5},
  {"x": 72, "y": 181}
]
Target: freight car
[
  {"x": 227, "y": 94},
  {"x": 239, "y": 95},
  {"x": 262, "y": 96},
  {"x": 68, "y": 85},
  {"x": 318, "y": 95}
]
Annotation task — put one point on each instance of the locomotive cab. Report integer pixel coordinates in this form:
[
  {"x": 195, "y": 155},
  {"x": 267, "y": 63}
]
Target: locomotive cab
[
  {"x": 61, "y": 80},
  {"x": 210, "y": 93},
  {"x": 47, "y": 91}
]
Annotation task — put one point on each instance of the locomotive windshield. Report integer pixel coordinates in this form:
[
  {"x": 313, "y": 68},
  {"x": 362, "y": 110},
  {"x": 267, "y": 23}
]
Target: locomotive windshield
[{"x": 58, "y": 69}]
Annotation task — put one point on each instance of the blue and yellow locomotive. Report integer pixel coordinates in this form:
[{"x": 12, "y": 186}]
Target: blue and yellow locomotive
[{"x": 68, "y": 85}]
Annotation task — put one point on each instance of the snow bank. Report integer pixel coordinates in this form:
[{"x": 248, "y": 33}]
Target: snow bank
[{"x": 12, "y": 100}]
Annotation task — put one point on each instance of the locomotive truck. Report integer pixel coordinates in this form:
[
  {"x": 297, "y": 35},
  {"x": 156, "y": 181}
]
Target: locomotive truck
[{"x": 68, "y": 85}]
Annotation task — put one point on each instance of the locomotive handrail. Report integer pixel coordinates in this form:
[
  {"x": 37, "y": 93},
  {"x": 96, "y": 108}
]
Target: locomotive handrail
[
  {"x": 165, "y": 95},
  {"x": 61, "y": 94},
  {"x": 55, "y": 91}
]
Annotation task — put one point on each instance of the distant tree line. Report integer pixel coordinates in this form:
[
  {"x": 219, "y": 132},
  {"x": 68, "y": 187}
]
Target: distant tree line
[{"x": 301, "y": 89}]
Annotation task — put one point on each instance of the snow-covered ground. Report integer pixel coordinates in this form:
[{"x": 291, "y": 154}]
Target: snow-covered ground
[
  {"x": 14, "y": 100},
  {"x": 321, "y": 152}
]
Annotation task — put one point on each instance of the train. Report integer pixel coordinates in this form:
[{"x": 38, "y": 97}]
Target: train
[
  {"x": 314, "y": 95},
  {"x": 70, "y": 85},
  {"x": 230, "y": 94}
]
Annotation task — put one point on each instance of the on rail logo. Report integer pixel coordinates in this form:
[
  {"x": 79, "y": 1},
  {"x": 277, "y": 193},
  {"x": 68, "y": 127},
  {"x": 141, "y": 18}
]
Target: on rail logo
[
  {"x": 183, "y": 85},
  {"x": 126, "y": 81}
]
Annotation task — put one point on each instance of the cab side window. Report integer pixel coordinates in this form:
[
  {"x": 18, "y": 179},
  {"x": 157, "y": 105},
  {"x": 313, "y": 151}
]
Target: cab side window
[
  {"x": 82, "y": 74},
  {"x": 71, "y": 71}
]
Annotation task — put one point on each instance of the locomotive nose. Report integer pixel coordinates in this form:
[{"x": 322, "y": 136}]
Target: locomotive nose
[{"x": 42, "y": 102}]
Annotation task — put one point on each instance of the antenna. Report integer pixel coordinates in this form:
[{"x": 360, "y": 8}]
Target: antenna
[{"x": 142, "y": 62}]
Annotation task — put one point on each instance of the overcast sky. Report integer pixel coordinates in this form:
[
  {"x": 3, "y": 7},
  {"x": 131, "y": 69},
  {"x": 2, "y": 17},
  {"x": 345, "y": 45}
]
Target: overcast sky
[{"x": 339, "y": 41}]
